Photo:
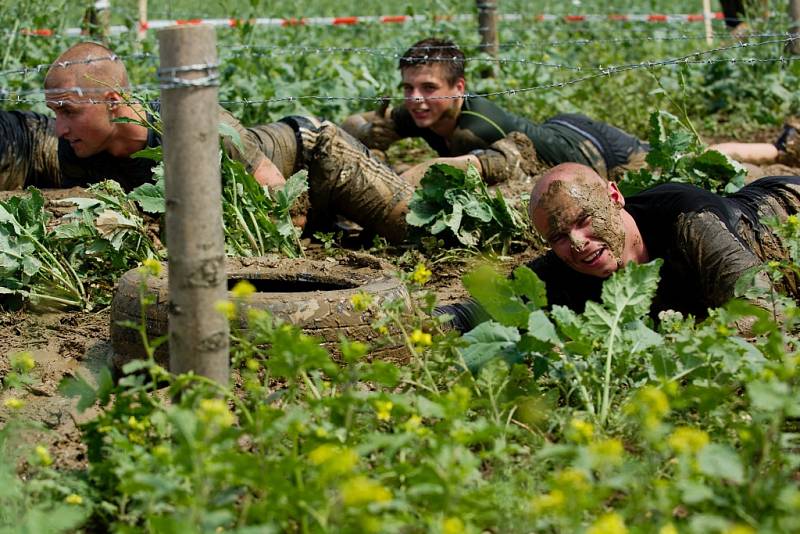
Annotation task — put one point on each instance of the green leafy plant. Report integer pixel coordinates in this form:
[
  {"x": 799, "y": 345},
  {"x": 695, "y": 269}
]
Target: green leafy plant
[
  {"x": 456, "y": 204},
  {"x": 677, "y": 155}
]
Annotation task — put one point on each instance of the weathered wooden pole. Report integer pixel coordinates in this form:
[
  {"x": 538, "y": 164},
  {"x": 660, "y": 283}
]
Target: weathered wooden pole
[
  {"x": 794, "y": 14},
  {"x": 707, "y": 22},
  {"x": 141, "y": 30},
  {"x": 97, "y": 20},
  {"x": 198, "y": 333},
  {"x": 487, "y": 29}
]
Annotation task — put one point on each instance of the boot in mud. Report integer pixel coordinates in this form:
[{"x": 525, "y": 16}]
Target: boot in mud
[
  {"x": 345, "y": 179},
  {"x": 788, "y": 144},
  {"x": 510, "y": 158}
]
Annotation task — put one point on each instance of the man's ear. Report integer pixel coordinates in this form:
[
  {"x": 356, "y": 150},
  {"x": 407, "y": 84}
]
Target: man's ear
[
  {"x": 112, "y": 100},
  {"x": 461, "y": 85},
  {"x": 615, "y": 195}
]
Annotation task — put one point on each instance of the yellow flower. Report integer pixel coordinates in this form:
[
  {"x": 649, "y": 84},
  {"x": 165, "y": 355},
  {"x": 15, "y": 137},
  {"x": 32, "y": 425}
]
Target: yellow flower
[
  {"x": 320, "y": 432},
  {"x": 606, "y": 452},
  {"x": 420, "y": 338},
  {"x": 452, "y": 525},
  {"x": 335, "y": 460},
  {"x": 669, "y": 528},
  {"x": 161, "y": 452},
  {"x": 13, "y": 403},
  {"x": 548, "y": 502},
  {"x": 687, "y": 440},
  {"x": 360, "y": 490},
  {"x": 243, "y": 289},
  {"x": 252, "y": 364},
  {"x": 151, "y": 266},
  {"x": 137, "y": 425},
  {"x": 226, "y": 308},
  {"x": 23, "y": 361},
  {"x": 608, "y": 524},
  {"x": 383, "y": 410},
  {"x": 43, "y": 455},
  {"x": 740, "y": 529},
  {"x": 580, "y": 431},
  {"x": 421, "y": 274},
  {"x": 383, "y": 330},
  {"x": 73, "y": 498},
  {"x": 361, "y": 301},
  {"x": 215, "y": 411},
  {"x": 792, "y": 220},
  {"x": 571, "y": 480}
]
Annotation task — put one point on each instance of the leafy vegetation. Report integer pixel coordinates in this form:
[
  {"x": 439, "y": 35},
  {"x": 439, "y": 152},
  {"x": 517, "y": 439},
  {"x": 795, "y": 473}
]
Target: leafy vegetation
[
  {"x": 677, "y": 155},
  {"x": 457, "y": 205}
]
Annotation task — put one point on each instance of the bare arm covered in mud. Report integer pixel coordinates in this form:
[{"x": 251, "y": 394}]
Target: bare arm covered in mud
[
  {"x": 263, "y": 170},
  {"x": 376, "y": 129},
  {"x": 28, "y": 151}
]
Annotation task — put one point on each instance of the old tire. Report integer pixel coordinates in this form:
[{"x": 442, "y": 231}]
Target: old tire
[{"x": 324, "y": 311}]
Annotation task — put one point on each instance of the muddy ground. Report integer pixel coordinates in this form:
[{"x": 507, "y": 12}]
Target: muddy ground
[{"x": 66, "y": 344}]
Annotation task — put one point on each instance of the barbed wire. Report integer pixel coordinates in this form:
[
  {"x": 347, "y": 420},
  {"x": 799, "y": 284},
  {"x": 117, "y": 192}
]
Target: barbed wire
[
  {"x": 387, "y": 52},
  {"x": 601, "y": 71}
]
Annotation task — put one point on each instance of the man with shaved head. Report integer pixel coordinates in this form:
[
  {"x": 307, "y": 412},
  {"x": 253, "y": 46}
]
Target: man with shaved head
[{"x": 706, "y": 241}]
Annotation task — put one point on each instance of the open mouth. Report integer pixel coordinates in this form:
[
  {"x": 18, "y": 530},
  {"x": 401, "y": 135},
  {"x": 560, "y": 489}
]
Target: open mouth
[{"x": 594, "y": 256}]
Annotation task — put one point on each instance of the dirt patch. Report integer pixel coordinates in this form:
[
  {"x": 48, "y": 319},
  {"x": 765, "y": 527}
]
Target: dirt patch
[{"x": 62, "y": 345}]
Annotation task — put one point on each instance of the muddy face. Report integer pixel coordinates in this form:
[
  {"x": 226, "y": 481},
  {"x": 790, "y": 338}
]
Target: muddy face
[{"x": 582, "y": 224}]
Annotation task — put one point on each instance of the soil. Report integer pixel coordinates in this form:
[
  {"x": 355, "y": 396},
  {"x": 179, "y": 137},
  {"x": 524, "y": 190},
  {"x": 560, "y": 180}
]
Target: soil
[{"x": 69, "y": 344}]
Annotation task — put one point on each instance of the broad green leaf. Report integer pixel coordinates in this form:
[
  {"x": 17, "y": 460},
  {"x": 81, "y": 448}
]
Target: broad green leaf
[
  {"x": 150, "y": 197},
  {"x": 77, "y": 386},
  {"x": 528, "y": 284},
  {"x": 153, "y": 153},
  {"x": 226, "y": 130},
  {"x": 487, "y": 341},
  {"x": 721, "y": 462},
  {"x": 495, "y": 293},
  {"x": 540, "y": 327}
]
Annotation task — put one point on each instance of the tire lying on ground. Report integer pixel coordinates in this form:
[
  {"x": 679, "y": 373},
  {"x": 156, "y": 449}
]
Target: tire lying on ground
[{"x": 311, "y": 294}]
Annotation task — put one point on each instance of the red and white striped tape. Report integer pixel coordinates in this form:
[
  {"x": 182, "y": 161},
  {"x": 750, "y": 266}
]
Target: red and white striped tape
[{"x": 387, "y": 19}]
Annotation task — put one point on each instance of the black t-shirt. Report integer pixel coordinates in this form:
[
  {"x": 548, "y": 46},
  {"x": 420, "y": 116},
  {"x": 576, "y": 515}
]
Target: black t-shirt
[{"x": 481, "y": 123}]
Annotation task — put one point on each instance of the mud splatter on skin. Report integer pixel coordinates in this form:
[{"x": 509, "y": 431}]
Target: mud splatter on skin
[{"x": 564, "y": 203}]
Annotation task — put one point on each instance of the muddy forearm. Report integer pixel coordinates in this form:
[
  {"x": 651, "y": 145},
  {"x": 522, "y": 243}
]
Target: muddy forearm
[{"x": 372, "y": 129}]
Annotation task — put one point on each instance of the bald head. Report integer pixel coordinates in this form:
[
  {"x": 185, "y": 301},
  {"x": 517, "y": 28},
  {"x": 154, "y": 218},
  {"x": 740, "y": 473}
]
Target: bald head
[
  {"x": 90, "y": 66},
  {"x": 565, "y": 172}
]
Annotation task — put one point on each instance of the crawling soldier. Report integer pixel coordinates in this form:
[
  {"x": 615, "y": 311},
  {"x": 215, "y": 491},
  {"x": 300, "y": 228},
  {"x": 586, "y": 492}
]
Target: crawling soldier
[
  {"x": 464, "y": 129},
  {"x": 706, "y": 241}
]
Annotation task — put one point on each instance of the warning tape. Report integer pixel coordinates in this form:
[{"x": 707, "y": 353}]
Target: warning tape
[{"x": 385, "y": 19}]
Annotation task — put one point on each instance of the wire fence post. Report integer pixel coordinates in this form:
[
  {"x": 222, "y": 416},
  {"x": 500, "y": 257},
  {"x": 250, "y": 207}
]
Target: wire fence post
[
  {"x": 97, "y": 19},
  {"x": 707, "y": 22},
  {"x": 793, "y": 46},
  {"x": 141, "y": 30},
  {"x": 487, "y": 29},
  {"x": 198, "y": 333}
]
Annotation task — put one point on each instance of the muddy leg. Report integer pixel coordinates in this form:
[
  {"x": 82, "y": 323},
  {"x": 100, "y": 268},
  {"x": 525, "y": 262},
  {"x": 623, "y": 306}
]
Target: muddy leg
[
  {"x": 415, "y": 173},
  {"x": 345, "y": 179}
]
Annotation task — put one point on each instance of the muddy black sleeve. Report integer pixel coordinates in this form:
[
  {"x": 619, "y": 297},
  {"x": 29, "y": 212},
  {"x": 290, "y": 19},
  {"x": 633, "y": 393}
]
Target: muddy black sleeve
[
  {"x": 466, "y": 315},
  {"x": 28, "y": 150}
]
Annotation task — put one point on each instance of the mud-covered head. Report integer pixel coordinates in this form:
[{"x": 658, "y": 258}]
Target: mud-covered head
[
  {"x": 433, "y": 84},
  {"x": 83, "y": 88},
  {"x": 580, "y": 214}
]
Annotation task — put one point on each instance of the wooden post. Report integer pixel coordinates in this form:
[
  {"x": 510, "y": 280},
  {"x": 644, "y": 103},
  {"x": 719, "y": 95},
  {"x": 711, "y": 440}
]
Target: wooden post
[
  {"x": 97, "y": 20},
  {"x": 141, "y": 31},
  {"x": 707, "y": 22},
  {"x": 487, "y": 28},
  {"x": 793, "y": 47},
  {"x": 198, "y": 333}
]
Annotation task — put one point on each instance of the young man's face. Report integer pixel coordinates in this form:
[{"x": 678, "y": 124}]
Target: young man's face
[
  {"x": 582, "y": 221},
  {"x": 86, "y": 127},
  {"x": 422, "y": 84}
]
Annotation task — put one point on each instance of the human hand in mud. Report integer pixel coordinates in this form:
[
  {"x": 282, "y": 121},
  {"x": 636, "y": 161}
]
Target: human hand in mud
[{"x": 376, "y": 129}]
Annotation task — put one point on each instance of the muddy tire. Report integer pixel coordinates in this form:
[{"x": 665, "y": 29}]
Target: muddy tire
[{"x": 314, "y": 295}]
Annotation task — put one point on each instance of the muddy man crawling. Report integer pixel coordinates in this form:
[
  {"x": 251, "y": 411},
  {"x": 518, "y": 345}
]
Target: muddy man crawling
[{"x": 706, "y": 241}]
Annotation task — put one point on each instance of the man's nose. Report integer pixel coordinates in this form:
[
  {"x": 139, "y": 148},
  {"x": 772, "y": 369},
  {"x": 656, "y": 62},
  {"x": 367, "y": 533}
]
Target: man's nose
[
  {"x": 577, "y": 241},
  {"x": 61, "y": 127}
]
